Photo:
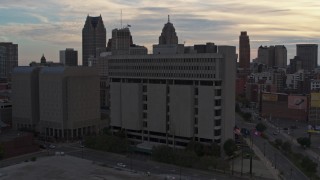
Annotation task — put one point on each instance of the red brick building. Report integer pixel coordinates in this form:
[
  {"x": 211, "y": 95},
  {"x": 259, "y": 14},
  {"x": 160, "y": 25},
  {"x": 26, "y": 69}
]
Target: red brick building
[{"x": 17, "y": 143}]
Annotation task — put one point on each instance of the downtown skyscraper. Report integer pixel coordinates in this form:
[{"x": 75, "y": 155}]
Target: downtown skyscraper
[
  {"x": 309, "y": 55},
  {"x": 93, "y": 38},
  {"x": 69, "y": 57},
  {"x": 8, "y": 59},
  {"x": 244, "y": 50},
  {"x": 168, "y": 35}
]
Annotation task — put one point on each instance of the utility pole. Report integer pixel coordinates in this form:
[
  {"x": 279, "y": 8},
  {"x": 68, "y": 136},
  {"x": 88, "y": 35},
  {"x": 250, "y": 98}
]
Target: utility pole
[
  {"x": 241, "y": 161},
  {"x": 232, "y": 164},
  {"x": 251, "y": 155},
  {"x": 275, "y": 160}
]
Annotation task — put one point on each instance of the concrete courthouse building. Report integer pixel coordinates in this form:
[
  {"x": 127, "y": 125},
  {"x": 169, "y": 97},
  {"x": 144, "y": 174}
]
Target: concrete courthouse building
[
  {"x": 172, "y": 97},
  {"x": 62, "y": 102}
]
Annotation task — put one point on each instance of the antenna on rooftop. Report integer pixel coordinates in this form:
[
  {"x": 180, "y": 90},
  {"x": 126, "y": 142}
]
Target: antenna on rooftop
[{"x": 121, "y": 19}]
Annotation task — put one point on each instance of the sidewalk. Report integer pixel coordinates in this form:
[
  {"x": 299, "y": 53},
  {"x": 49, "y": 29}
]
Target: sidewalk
[{"x": 267, "y": 163}]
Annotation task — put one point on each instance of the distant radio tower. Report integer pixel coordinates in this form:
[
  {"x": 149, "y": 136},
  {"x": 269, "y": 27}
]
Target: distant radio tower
[{"x": 121, "y": 19}]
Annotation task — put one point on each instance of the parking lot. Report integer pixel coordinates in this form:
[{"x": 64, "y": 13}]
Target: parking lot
[{"x": 67, "y": 167}]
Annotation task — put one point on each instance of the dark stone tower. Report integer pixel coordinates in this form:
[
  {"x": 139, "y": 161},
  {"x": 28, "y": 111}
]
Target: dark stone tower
[
  {"x": 244, "y": 50},
  {"x": 168, "y": 35},
  {"x": 93, "y": 37}
]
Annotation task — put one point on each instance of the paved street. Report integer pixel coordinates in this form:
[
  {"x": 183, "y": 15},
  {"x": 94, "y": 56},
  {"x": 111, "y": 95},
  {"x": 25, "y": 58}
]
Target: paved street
[
  {"x": 278, "y": 160},
  {"x": 139, "y": 164}
]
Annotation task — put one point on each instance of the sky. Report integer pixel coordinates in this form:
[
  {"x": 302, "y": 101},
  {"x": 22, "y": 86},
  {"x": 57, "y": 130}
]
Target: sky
[{"x": 45, "y": 27}]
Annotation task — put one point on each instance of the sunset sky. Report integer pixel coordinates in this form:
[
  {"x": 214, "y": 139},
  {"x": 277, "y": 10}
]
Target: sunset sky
[{"x": 48, "y": 26}]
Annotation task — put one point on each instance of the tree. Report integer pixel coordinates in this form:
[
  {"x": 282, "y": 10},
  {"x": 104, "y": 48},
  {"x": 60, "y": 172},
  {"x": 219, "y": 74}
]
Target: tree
[
  {"x": 261, "y": 127},
  {"x": 278, "y": 142},
  {"x": 309, "y": 165},
  {"x": 304, "y": 141},
  {"x": 237, "y": 108},
  {"x": 247, "y": 116},
  {"x": 106, "y": 131},
  {"x": 286, "y": 146},
  {"x": 229, "y": 147}
]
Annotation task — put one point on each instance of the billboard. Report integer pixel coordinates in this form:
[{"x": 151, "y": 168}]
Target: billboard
[
  {"x": 315, "y": 99},
  {"x": 297, "y": 102},
  {"x": 270, "y": 97}
]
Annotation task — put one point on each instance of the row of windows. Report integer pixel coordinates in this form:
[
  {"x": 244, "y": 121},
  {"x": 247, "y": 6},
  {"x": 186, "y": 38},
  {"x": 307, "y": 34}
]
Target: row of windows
[
  {"x": 164, "y": 60},
  {"x": 162, "y": 137},
  {"x": 175, "y": 75},
  {"x": 128, "y": 67},
  {"x": 168, "y": 81}
]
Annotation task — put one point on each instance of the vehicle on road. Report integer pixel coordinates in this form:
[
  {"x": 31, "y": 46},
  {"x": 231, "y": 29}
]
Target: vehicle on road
[
  {"x": 51, "y": 146},
  {"x": 43, "y": 146},
  {"x": 121, "y": 165},
  {"x": 275, "y": 133}
]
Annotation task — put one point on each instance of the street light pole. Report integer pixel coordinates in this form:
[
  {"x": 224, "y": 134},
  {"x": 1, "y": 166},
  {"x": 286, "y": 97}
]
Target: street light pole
[
  {"x": 241, "y": 161},
  {"x": 232, "y": 164},
  {"x": 82, "y": 152},
  {"x": 251, "y": 155},
  {"x": 275, "y": 160}
]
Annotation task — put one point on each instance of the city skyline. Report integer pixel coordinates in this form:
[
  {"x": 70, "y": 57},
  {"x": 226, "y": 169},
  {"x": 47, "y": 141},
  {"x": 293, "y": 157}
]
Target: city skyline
[{"x": 49, "y": 27}]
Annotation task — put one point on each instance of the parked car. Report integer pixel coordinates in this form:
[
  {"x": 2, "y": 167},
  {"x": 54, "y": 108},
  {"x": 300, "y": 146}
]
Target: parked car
[
  {"x": 51, "y": 146},
  {"x": 121, "y": 165},
  {"x": 43, "y": 146}
]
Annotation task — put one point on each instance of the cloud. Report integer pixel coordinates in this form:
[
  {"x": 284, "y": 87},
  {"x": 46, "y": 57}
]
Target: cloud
[
  {"x": 39, "y": 17},
  {"x": 59, "y": 23}
]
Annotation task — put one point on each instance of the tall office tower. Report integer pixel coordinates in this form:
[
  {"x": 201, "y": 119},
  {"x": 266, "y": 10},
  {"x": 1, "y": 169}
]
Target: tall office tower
[
  {"x": 295, "y": 64},
  {"x": 244, "y": 50},
  {"x": 93, "y": 37},
  {"x": 280, "y": 56},
  {"x": 8, "y": 59},
  {"x": 168, "y": 35},
  {"x": 168, "y": 41},
  {"x": 263, "y": 55},
  {"x": 121, "y": 41},
  {"x": 69, "y": 57},
  {"x": 309, "y": 54}
]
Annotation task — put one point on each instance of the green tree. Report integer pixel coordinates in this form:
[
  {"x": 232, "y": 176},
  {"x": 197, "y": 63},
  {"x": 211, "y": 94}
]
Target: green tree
[
  {"x": 247, "y": 116},
  {"x": 196, "y": 147},
  {"x": 304, "y": 141},
  {"x": 106, "y": 131},
  {"x": 308, "y": 165},
  {"x": 229, "y": 147},
  {"x": 261, "y": 127},
  {"x": 204, "y": 150},
  {"x": 286, "y": 146},
  {"x": 278, "y": 142},
  {"x": 237, "y": 108}
]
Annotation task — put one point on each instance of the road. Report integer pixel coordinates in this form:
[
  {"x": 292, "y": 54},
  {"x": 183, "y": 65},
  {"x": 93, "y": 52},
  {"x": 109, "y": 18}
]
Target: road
[
  {"x": 140, "y": 164},
  {"x": 279, "y": 161}
]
